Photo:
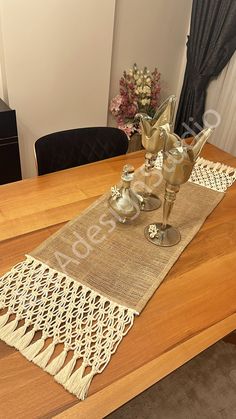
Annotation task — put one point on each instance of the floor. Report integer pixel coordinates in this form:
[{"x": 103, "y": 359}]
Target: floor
[{"x": 204, "y": 388}]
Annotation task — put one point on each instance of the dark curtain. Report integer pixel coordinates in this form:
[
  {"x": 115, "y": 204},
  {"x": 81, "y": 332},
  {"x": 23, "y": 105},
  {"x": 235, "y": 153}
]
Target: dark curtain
[{"x": 210, "y": 45}]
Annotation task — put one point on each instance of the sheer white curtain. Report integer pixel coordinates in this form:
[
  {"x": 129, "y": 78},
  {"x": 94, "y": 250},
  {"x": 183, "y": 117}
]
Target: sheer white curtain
[{"x": 221, "y": 100}]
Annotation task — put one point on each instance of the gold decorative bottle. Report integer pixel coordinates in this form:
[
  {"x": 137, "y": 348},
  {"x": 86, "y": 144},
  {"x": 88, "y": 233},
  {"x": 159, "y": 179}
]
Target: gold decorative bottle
[{"x": 124, "y": 202}]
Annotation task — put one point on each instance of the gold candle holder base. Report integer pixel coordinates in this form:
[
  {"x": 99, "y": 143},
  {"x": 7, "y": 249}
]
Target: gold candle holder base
[
  {"x": 169, "y": 236},
  {"x": 178, "y": 164},
  {"x": 150, "y": 202}
]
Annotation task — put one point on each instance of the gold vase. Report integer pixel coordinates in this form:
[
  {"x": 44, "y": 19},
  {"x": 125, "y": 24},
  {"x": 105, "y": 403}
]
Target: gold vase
[{"x": 177, "y": 167}]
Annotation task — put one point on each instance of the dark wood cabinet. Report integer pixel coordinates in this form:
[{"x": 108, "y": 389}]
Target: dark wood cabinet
[{"x": 10, "y": 169}]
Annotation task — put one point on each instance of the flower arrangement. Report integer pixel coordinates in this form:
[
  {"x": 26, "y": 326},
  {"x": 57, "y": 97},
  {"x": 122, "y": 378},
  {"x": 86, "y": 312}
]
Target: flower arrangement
[{"x": 139, "y": 93}]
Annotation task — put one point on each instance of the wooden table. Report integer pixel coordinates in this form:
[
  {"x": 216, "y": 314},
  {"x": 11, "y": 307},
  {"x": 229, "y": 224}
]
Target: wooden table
[{"x": 194, "y": 307}]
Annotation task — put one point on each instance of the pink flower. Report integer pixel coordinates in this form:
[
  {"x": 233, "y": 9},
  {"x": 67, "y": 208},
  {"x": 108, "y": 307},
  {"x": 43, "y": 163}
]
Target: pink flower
[
  {"x": 115, "y": 104},
  {"x": 127, "y": 128},
  {"x": 132, "y": 110},
  {"x": 139, "y": 92}
]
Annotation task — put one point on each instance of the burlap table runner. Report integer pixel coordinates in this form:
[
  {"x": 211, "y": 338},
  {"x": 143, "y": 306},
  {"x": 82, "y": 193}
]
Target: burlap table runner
[
  {"x": 83, "y": 286},
  {"x": 115, "y": 259}
]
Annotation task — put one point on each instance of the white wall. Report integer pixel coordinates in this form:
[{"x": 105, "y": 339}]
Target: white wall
[
  {"x": 57, "y": 58},
  {"x": 151, "y": 33}
]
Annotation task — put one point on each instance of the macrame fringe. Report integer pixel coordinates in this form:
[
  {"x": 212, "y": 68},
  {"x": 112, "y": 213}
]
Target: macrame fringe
[
  {"x": 83, "y": 387},
  {"x": 216, "y": 176},
  {"x": 74, "y": 382},
  {"x": 4, "y": 318},
  {"x": 8, "y": 329},
  {"x": 79, "y": 385},
  {"x": 57, "y": 363},
  {"x": 16, "y": 336},
  {"x": 24, "y": 342},
  {"x": 43, "y": 358},
  {"x": 219, "y": 167},
  {"x": 73, "y": 318},
  {"x": 75, "y": 378},
  {"x": 32, "y": 350},
  {"x": 66, "y": 372}
]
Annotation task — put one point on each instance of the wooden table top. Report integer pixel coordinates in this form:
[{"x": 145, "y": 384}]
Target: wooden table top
[{"x": 193, "y": 308}]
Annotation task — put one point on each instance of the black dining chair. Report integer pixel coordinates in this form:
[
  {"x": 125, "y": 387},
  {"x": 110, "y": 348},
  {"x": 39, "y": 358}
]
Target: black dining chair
[{"x": 74, "y": 147}]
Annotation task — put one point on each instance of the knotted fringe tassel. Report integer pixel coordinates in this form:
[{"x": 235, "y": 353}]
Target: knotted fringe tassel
[
  {"x": 57, "y": 363},
  {"x": 7, "y": 329},
  {"x": 220, "y": 167},
  {"x": 15, "y": 337},
  {"x": 72, "y": 383},
  {"x": 26, "y": 339},
  {"x": 4, "y": 318},
  {"x": 77, "y": 384},
  {"x": 32, "y": 350},
  {"x": 43, "y": 358},
  {"x": 66, "y": 372},
  {"x": 31, "y": 277},
  {"x": 83, "y": 386}
]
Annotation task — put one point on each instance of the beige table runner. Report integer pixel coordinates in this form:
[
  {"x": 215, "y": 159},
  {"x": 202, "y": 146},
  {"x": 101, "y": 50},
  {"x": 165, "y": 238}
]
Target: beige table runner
[
  {"x": 115, "y": 259},
  {"x": 83, "y": 286}
]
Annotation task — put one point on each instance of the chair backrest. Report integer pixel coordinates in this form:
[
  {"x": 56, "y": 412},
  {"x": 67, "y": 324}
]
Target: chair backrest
[{"x": 65, "y": 149}]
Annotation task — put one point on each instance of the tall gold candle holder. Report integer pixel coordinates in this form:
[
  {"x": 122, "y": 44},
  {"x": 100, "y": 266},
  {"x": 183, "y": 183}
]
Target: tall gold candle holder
[
  {"x": 178, "y": 164},
  {"x": 153, "y": 142}
]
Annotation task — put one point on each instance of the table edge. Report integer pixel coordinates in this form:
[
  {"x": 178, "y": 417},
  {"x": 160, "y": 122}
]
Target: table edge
[{"x": 126, "y": 388}]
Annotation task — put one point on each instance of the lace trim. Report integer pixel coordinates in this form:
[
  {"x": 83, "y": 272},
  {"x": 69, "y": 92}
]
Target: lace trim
[
  {"x": 216, "y": 176},
  {"x": 46, "y": 308}
]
